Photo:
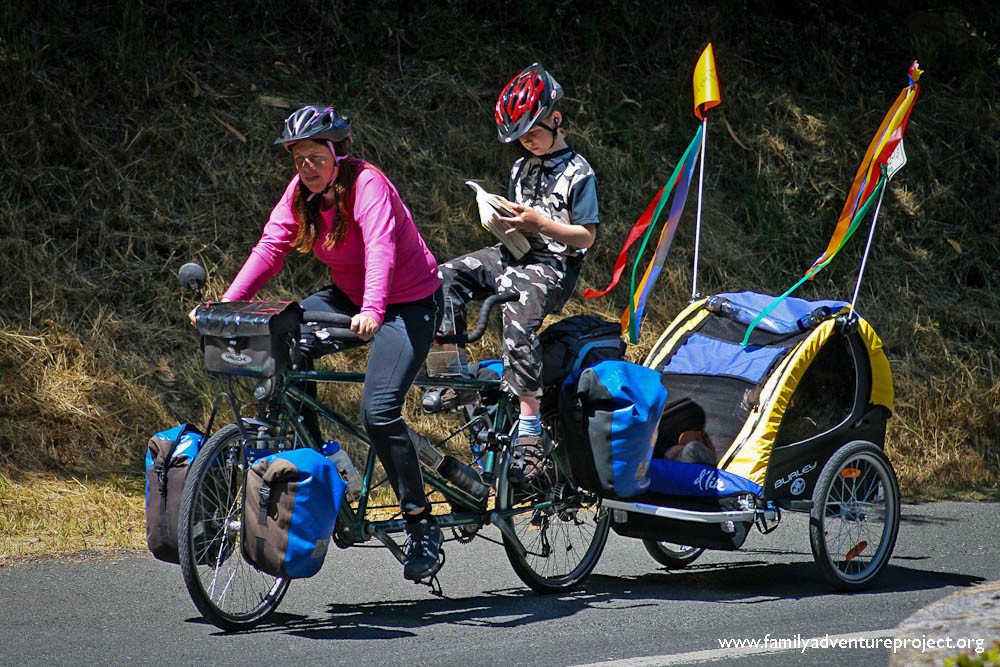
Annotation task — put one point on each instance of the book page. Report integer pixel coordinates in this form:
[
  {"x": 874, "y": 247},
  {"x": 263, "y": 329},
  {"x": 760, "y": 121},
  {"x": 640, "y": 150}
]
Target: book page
[{"x": 491, "y": 208}]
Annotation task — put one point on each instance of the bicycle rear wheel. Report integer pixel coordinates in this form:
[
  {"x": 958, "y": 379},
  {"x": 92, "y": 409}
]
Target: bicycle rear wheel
[
  {"x": 562, "y": 528},
  {"x": 227, "y": 590}
]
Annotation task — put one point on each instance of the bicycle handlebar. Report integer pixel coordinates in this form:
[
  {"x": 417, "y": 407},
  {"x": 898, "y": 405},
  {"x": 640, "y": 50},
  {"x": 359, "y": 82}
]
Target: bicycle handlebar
[
  {"x": 484, "y": 317},
  {"x": 341, "y": 324}
]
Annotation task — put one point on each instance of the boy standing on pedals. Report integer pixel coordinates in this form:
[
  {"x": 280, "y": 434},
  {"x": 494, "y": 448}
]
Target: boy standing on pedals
[{"x": 554, "y": 193}]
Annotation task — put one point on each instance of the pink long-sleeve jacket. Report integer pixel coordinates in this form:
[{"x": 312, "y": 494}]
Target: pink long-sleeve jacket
[{"x": 381, "y": 260}]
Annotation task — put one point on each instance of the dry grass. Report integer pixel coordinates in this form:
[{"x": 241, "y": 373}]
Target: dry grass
[
  {"x": 45, "y": 514},
  {"x": 138, "y": 137}
]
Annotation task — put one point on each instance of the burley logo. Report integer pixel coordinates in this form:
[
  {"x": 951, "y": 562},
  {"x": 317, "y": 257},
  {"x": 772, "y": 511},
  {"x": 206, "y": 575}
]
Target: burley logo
[{"x": 795, "y": 474}]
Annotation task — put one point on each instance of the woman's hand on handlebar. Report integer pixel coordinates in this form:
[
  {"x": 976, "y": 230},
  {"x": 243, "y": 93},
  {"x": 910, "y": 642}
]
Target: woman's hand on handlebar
[
  {"x": 365, "y": 327},
  {"x": 191, "y": 315}
]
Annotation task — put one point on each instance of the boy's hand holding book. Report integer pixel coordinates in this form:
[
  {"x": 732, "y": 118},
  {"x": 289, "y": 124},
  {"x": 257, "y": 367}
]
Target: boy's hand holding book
[
  {"x": 497, "y": 215},
  {"x": 525, "y": 219}
]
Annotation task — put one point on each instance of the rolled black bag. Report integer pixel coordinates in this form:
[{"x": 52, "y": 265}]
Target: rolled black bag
[{"x": 577, "y": 342}]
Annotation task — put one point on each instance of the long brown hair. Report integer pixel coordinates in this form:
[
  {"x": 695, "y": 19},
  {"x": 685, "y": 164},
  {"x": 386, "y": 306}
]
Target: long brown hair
[{"x": 307, "y": 213}]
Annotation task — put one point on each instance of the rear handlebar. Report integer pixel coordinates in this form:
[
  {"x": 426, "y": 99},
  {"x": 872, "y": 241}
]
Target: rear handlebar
[
  {"x": 484, "y": 317},
  {"x": 341, "y": 324}
]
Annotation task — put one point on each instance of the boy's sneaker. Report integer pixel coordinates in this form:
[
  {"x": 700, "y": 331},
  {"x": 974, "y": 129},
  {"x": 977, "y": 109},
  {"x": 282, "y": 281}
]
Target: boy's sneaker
[
  {"x": 528, "y": 456},
  {"x": 422, "y": 550}
]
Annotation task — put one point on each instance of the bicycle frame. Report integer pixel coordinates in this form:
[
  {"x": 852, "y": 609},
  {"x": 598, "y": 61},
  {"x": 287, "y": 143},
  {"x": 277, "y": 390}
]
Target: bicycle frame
[{"x": 353, "y": 527}]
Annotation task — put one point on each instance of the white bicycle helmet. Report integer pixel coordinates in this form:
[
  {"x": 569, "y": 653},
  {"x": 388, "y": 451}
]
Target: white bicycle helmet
[{"x": 316, "y": 123}]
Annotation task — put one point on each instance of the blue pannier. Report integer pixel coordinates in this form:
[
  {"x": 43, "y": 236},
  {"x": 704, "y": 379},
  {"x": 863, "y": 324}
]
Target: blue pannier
[
  {"x": 611, "y": 411},
  {"x": 289, "y": 510},
  {"x": 169, "y": 455}
]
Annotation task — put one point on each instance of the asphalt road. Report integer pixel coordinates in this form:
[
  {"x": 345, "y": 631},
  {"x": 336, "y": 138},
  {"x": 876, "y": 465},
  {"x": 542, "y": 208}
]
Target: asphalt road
[{"x": 132, "y": 610}]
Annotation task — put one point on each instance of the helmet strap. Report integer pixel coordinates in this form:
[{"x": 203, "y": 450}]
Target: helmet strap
[{"x": 554, "y": 129}]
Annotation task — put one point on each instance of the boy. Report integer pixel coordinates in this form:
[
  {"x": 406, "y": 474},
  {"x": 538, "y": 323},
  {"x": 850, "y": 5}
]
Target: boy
[{"x": 554, "y": 193}]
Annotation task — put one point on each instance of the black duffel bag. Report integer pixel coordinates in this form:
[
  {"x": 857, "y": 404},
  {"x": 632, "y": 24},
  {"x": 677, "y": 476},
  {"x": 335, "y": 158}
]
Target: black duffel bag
[{"x": 577, "y": 342}]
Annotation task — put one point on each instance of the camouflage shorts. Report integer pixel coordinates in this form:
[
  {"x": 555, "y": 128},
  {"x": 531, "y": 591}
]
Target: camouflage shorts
[{"x": 539, "y": 285}]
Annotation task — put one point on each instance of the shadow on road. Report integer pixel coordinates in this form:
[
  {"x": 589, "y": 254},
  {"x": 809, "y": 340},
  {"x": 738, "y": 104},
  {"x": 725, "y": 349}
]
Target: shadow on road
[
  {"x": 752, "y": 582},
  {"x": 742, "y": 582},
  {"x": 402, "y": 618}
]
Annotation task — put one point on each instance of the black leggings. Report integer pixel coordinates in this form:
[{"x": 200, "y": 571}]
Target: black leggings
[{"x": 397, "y": 352}]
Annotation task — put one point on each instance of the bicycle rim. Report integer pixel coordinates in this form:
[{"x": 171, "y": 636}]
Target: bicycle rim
[
  {"x": 672, "y": 555},
  {"x": 860, "y": 517},
  {"x": 562, "y": 528},
  {"x": 225, "y": 588}
]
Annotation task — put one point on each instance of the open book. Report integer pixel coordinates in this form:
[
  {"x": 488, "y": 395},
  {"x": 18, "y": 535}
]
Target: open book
[{"x": 491, "y": 207}]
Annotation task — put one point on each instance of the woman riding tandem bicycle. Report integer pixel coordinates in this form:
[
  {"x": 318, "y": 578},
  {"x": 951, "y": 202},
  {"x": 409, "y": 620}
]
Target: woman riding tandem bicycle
[
  {"x": 386, "y": 290},
  {"x": 350, "y": 216}
]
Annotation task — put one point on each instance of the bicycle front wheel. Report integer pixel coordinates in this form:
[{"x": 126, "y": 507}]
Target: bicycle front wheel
[
  {"x": 561, "y": 528},
  {"x": 226, "y": 589}
]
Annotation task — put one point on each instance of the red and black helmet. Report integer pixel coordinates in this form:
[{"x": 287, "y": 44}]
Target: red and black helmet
[{"x": 529, "y": 97}]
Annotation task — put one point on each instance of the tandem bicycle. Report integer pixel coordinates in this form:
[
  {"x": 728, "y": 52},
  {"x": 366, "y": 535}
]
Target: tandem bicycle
[{"x": 553, "y": 532}]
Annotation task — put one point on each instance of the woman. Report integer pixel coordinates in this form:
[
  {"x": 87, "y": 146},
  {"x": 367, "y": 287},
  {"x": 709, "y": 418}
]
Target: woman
[{"x": 350, "y": 216}]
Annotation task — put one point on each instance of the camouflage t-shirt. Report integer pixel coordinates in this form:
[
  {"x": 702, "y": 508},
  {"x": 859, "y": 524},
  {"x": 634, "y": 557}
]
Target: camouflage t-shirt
[{"x": 561, "y": 185}]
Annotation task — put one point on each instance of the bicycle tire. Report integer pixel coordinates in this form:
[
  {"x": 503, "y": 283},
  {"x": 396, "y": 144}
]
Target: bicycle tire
[
  {"x": 228, "y": 591},
  {"x": 671, "y": 555},
  {"x": 564, "y": 538},
  {"x": 856, "y": 489}
]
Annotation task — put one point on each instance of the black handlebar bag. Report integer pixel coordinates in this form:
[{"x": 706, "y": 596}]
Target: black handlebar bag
[{"x": 249, "y": 338}]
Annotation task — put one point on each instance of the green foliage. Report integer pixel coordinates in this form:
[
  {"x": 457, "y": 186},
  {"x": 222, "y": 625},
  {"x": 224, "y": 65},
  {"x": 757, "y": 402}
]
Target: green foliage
[
  {"x": 989, "y": 658},
  {"x": 138, "y": 136}
]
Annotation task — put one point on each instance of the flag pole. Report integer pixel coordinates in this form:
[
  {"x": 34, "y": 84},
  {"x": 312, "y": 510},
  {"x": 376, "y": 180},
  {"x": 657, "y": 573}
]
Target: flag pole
[
  {"x": 697, "y": 222},
  {"x": 868, "y": 245},
  {"x": 705, "y": 83}
]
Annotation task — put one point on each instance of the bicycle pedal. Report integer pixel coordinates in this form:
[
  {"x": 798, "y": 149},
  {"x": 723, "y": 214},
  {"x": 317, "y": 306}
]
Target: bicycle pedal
[
  {"x": 439, "y": 399},
  {"x": 434, "y": 584},
  {"x": 431, "y": 576},
  {"x": 446, "y": 399}
]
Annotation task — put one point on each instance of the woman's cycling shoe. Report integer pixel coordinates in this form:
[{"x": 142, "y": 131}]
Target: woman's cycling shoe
[{"x": 423, "y": 550}]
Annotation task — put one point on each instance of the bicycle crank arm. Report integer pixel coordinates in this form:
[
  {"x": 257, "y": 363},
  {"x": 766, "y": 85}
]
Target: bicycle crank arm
[{"x": 390, "y": 544}]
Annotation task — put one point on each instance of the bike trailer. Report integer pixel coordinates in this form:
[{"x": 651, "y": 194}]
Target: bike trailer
[
  {"x": 290, "y": 507},
  {"x": 247, "y": 337},
  {"x": 168, "y": 458},
  {"x": 812, "y": 378}
]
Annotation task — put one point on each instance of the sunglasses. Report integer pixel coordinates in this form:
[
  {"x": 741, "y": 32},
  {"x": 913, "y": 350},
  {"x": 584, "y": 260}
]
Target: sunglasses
[{"x": 315, "y": 161}]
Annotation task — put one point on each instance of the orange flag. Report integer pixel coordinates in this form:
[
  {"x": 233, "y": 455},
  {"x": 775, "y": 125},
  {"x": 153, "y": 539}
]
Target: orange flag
[{"x": 706, "y": 84}]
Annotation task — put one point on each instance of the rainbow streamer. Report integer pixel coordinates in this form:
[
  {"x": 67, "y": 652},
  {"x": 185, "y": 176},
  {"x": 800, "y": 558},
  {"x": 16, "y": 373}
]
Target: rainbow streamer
[
  {"x": 631, "y": 318},
  {"x": 888, "y": 136},
  {"x": 865, "y": 187},
  {"x": 855, "y": 223}
]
